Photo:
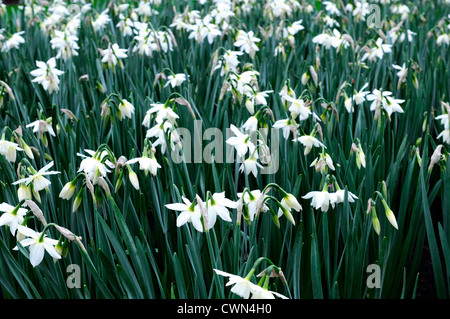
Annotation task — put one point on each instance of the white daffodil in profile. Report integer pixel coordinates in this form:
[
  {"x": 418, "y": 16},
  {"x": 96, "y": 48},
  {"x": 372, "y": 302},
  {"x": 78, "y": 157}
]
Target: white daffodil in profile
[
  {"x": 286, "y": 125},
  {"x": 41, "y": 127},
  {"x": 9, "y": 149},
  {"x": 38, "y": 179},
  {"x": 95, "y": 166},
  {"x": 218, "y": 204},
  {"x": 241, "y": 286},
  {"x": 402, "y": 72},
  {"x": 113, "y": 55},
  {"x": 246, "y": 42},
  {"x": 190, "y": 213},
  {"x": 38, "y": 245},
  {"x": 251, "y": 200},
  {"x": 102, "y": 19},
  {"x": 241, "y": 142},
  {"x": 146, "y": 164},
  {"x": 340, "y": 194},
  {"x": 266, "y": 294},
  {"x": 47, "y": 75},
  {"x": 14, "y": 41},
  {"x": 289, "y": 202},
  {"x": 251, "y": 124},
  {"x": 12, "y": 216},
  {"x": 309, "y": 141},
  {"x": 126, "y": 109},
  {"x": 321, "y": 199},
  {"x": 251, "y": 165},
  {"x": 322, "y": 162},
  {"x": 163, "y": 112},
  {"x": 298, "y": 108},
  {"x": 360, "y": 96},
  {"x": 175, "y": 79}
]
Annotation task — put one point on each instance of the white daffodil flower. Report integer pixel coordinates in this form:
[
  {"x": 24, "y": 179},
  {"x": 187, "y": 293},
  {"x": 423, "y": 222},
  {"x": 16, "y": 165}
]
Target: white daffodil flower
[
  {"x": 38, "y": 179},
  {"x": 12, "y": 216},
  {"x": 309, "y": 142},
  {"x": 340, "y": 196},
  {"x": 38, "y": 245},
  {"x": 241, "y": 142},
  {"x": 246, "y": 42},
  {"x": 113, "y": 54},
  {"x": 321, "y": 162},
  {"x": 286, "y": 125},
  {"x": 146, "y": 164},
  {"x": 94, "y": 166},
  {"x": 41, "y": 126},
  {"x": 251, "y": 165},
  {"x": 321, "y": 199},
  {"x": 251, "y": 200},
  {"x": 189, "y": 213},
  {"x": 47, "y": 75},
  {"x": 218, "y": 205},
  {"x": 175, "y": 79},
  {"x": 163, "y": 112},
  {"x": 9, "y": 150},
  {"x": 126, "y": 109},
  {"x": 241, "y": 286}
]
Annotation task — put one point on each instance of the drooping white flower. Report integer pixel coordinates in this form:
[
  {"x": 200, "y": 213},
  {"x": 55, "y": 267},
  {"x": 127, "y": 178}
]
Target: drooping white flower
[
  {"x": 321, "y": 162},
  {"x": 13, "y": 42},
  {"x": 126, "y": 109},
  {"x": 286, "y": 125},
  {"x": 9, "y": 149},
  {"x": 96, "y": 165},
  {"x": 190, "y": 213},
  {"x": 41, "y": 126},
  {"x": 38, "y": 245},
  {"x": 240, "y": 141},
  {"x": 340, "y": 194},
  {"x": 309, "y": 142},
  {"x": 38, "y": 179},
  {"x": 163, "y": 112},
  {"x": 241, "y": 286},
  {"x": 377, "y": 51},
  {"x": 47, "y": 75},
  {"x": 246, "y": 42},
  {"x": 12, "y": 216},
  {"x": 65, "y": 43},
  {"x": 251, "y": 165},
  {"x": 146, "y": 164},
  {"x": 321, "y": 199},
  {"x": 251, "y": 200},
  {"x": 218, "y": 205},
  {"x": 113, "y": 54},
  {"x": 100, "y": 22},
  {"x": 175, "y": 79}
]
